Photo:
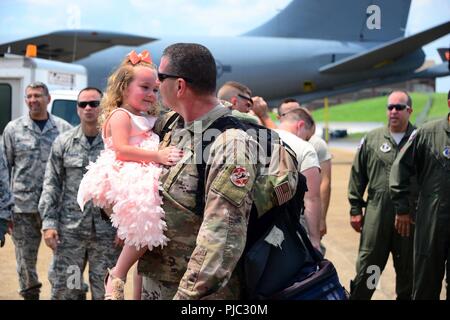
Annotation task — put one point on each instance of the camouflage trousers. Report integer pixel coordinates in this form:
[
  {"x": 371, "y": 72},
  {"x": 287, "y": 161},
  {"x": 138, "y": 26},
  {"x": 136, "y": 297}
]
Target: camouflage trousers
[
  {"x": 163, "y": 290},
  {"x": 27, "y": 236},
  {"x": 157, "y": 290},
  {"x": 70, "y": 259}
]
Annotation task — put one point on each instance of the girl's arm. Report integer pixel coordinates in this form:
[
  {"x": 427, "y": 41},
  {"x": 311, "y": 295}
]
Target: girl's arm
[{"x": 120, "y": 128}]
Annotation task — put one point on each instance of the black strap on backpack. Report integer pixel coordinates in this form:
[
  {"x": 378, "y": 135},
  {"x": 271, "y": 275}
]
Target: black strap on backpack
[
  {"x": 222, "y": 124},
  {"x": 168, "y": 126}
]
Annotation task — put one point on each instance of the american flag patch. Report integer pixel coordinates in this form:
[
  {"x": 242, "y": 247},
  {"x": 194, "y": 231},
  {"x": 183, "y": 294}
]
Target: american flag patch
[{"x": 283, "y": 192}]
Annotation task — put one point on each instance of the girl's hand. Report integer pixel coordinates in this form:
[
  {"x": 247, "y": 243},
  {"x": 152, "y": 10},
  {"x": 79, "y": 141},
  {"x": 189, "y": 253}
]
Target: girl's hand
[{"x": 169, "y": 156}]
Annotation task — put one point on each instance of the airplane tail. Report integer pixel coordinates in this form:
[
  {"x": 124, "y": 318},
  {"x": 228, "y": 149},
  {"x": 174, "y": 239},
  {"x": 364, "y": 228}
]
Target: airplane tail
[{"x": 342, "y": 20}]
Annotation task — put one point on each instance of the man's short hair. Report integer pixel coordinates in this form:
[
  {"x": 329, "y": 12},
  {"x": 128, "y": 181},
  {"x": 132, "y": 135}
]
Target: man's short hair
[
  {"x": 299, "y": 114},
  {"x": 448, "y": 95},
  {"x": 408, "y": 97},
  {"x": 194, "y": 62},
  {"x": 231, "y": 88},
  {"x": 38, "y": 84},
  {"x": 287, "y": 100},
  {"x": 89, "y": 89}
]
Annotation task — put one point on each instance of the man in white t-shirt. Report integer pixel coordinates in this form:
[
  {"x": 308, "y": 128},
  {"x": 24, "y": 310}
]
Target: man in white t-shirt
[
  {"x": 324, "y": 159},
  {"x": 294, "y": 130}
]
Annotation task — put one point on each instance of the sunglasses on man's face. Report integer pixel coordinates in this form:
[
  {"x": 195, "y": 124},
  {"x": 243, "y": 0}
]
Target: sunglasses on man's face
[
  {"x": 397, "y": 107},
  {"x": 164, "y": 76},
  {"x": 93, "y": 104},
  {"x": 248, "y": 99}
]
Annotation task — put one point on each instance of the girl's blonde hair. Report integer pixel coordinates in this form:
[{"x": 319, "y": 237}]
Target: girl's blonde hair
[{"x": 118, "y": 82}]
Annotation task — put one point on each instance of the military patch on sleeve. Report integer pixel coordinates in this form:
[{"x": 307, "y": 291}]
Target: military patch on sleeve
[
  {"x": 233, "y": 183},
  {"x": 239, "y": 176},
  {"x": 283, "y": 192}
]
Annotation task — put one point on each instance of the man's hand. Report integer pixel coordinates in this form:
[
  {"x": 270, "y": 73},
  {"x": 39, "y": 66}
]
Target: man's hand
[
  {"x": 260, "y": 107},
  {"x": 261, "y": 110},
  {"x": 51, "y": 238},
  {"x": 403, "y": 224},
  {"x": 316, "y": 244},
  {"x": 323, "y": 228},
  {"x": 356, "y": 222}
]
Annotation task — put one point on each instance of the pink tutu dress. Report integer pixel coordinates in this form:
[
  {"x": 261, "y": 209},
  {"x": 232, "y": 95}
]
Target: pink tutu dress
[{"x": 131, "y": 189}]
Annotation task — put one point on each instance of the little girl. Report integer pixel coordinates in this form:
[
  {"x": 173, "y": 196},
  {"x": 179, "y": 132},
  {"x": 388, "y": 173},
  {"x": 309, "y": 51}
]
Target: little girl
[{"x": 125, "y": 176}]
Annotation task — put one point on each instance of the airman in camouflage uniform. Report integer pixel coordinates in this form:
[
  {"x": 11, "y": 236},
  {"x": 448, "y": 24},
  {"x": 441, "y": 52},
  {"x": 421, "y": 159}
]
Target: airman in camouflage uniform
[
  {"x": 427, "y": 154},
  {"x": 370, "y": 170},
  {"x": 76, "y": 237},
  {"x": 27, "y": 142},
  {"x": 206, "y": 242},
  {"x": 6, "y": 200}
]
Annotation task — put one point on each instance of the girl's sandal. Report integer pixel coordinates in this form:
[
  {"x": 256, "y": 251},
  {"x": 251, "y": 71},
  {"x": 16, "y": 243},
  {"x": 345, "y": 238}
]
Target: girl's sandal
[{"x": 118, "y": 285}]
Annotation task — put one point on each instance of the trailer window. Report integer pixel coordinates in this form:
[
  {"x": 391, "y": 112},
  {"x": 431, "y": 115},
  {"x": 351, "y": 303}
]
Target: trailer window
[
  {"x": 5, "y": 105},
  {"x": 66, "y": 109}
]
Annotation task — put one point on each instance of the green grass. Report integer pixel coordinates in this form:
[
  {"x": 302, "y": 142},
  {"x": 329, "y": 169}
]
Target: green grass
[
  {"x": 439, "y": 108},
  {"x": 369, "y": 110},
  {"x": 356, "y": 136}
]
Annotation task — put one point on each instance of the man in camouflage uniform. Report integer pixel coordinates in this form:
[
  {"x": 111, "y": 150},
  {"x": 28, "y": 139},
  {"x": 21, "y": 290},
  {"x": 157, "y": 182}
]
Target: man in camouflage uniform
[
  {"x": 206, "y": 241},
  {"x": 27, "y": 142},
  {"x": 370, "y": 170},
  {"x": 426, "y": 154},
  {"x": 76, "y": 237},
  {"x": 6, "y": 200}
]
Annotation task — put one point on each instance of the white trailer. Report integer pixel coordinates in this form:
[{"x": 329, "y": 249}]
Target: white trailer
[{"x": 64, "y": 80}]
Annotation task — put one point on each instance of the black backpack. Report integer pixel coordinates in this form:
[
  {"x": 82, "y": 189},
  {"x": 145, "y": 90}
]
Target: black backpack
[{"x": 267, "y": 269}]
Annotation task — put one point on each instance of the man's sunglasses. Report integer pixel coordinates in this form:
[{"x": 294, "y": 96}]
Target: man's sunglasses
[
  {"x": 164, "y": 76},
  {"x": 250, "y": 101},
  {"x": 93, "y": 104},
  {"x": 398, "y": 107}
]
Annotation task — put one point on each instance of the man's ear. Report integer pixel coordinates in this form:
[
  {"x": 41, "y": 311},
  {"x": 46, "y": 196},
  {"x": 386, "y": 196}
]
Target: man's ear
[
  {"x": 233, "y": 100},
  {"x": 181, "y": 87}
]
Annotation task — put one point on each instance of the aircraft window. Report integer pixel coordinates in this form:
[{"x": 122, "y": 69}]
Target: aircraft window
[
  {"x": 66, "y": 109},
  {"x": 5, "y": 105}
]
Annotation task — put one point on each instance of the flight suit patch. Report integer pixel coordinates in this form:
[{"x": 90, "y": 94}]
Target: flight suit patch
[
  {"x": 446, "y": 152},
  {"x": 385, "y": 147},
  {"x": 233, "y": 184}
]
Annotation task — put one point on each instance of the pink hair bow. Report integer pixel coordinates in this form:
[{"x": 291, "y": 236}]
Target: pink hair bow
[{"x": 136, "y": 58}]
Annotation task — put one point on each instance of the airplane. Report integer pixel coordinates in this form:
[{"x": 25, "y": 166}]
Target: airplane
[{"x": 309, "y": 50}]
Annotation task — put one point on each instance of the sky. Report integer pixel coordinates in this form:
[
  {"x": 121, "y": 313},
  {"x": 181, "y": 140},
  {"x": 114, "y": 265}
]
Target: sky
[{"x": 155, "y": 18}]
